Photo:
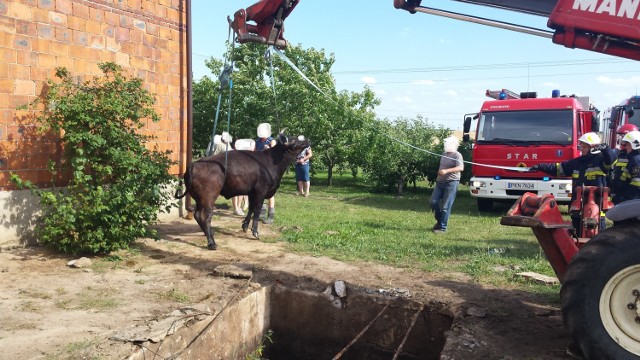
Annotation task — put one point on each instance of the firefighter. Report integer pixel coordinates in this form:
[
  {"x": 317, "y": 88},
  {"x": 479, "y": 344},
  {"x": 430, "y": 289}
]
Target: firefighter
[
  {"x": 629, "y": 184},
  {"x": 588, "y": 169},
  {"x": 619, "y": 166}
]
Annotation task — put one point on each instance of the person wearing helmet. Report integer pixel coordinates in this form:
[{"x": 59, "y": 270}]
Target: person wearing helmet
[
  {"x": 588, "y": 169},
  {"x": 619, "y": 166},
  {"x": 629, "y": 184},
  {"x": 221, "y": 143}
]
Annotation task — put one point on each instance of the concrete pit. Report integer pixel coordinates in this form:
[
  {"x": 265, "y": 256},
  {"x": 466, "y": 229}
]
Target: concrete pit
[{"x": 308, "y": 325}]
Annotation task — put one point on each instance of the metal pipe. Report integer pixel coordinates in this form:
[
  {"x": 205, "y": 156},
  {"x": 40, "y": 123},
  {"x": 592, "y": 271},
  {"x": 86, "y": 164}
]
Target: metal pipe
[
  {"x": 189, "y": 95},
  {"x": 483, "y": 21},
  {"x": 536, "y": 7}
]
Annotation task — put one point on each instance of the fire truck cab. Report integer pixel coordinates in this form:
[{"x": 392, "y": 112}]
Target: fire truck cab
[
  {"x": 516, "y": 132},
  {"x": 627, "y": 112}
]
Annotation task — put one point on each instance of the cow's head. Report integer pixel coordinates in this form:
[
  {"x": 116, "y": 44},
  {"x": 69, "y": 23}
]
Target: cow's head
[{"x": 293, "y": 143}]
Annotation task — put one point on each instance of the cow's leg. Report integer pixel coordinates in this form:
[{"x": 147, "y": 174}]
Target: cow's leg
[
  {"x": 256, "y": 205},
  {"x": 247, "y": 218},
  {"x": 203, "y": 216}
]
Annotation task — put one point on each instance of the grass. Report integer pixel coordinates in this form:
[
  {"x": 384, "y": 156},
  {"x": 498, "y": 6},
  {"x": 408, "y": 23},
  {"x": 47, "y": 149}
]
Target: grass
[
  {"x": 348, "y": 222},
  {"x": 96, "y": 299},
  {"x": 81, "y": 350},
  {"x": 174, "y": 295}
]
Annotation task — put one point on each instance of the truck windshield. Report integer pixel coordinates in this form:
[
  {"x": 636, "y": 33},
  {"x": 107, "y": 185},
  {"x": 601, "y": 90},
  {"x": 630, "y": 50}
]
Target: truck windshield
[
  {"x": 635, "y": 118},
  {"x": 535, "y": 127}
]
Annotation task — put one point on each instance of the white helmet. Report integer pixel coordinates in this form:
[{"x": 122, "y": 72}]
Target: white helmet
[
  {"x": 592, "y": 139},
  {"x": 451, "y": 144},
  {"x": 226, "y": 138},
  {"x": 264, "y": 130},
  {"x": 633, "y": 138}
]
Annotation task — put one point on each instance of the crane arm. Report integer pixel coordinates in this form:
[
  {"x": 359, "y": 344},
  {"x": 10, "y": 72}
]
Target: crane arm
[
  {"x": 608, "y": 27},
  {"x": 536, "y": 7},
  {"x": 268, "y": 16}
]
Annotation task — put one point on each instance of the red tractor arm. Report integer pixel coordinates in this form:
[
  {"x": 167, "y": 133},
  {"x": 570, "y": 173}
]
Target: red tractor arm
[{"x": 268, "y": 16}]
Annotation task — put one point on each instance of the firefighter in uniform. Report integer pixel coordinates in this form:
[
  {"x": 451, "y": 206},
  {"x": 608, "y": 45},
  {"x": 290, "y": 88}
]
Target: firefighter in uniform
[
  {"x": 629, "y": 185},
  {"x": 619, "y": 166},
  {"x": 589, "y": 169}
]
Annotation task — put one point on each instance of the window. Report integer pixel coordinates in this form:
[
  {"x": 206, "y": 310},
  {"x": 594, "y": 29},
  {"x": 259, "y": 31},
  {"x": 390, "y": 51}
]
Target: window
[{"x": 531, "y": 126}]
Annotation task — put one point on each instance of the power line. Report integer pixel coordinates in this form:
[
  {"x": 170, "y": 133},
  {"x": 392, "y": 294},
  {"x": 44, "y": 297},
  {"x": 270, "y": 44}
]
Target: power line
[
  {"x": 484, "y": 78},
  {"x": 494, "y": 66}
]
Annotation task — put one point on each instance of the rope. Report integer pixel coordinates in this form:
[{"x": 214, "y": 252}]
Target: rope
[
  {"x": 269, "y": 58},
  {"x": 215, "y": 317},
  {"x": 339, "y": 355},
  {"x": 406, "y": 335},
  {"x": 285, "y": 59},
  {"x": 225, "y": 80}
]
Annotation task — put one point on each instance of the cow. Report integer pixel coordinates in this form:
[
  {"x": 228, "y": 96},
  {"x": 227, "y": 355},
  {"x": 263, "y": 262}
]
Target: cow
[{"x": 254, "y": 173}]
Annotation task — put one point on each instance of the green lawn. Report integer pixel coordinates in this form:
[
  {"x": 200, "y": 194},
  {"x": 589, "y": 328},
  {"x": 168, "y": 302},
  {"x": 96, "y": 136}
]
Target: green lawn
[{"x": 348, "y": 222}]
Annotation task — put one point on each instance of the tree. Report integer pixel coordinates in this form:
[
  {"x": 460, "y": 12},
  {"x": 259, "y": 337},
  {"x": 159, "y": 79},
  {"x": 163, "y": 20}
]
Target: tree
[
  {"x": 342, "y": 126},
  {"x": 327, "y": 118},
  {"x": 391, "y": 164},
  {"x": 117, "y": 185},
  {"x": 205, "y": 97}
]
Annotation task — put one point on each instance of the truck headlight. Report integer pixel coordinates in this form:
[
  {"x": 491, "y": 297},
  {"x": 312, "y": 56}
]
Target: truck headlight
[
  {"x": 478, "y": 184},
  {"x": 564, "y": 187}
]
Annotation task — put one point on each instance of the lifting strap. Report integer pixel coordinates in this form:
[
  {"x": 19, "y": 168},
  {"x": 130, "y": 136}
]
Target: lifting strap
[
  {"x": 268, "y": 57},
  {"x": 225, "y": 80}
]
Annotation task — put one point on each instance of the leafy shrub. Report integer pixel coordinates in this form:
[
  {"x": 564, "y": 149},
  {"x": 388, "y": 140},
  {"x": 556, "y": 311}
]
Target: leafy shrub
[{"x": 117, "y": 184}]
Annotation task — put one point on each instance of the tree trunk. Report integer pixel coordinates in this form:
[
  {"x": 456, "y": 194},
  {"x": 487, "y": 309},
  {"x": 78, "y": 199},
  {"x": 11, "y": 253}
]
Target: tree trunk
[
  {"x": 400, "y": 186},
  {"x": 330, "y": 175}
]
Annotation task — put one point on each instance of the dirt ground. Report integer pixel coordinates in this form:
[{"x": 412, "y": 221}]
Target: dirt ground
[{"x": 53, "y": 311}]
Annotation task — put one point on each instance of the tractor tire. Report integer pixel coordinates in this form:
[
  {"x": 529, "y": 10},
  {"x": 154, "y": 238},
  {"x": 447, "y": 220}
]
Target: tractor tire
[
  {"x": 601, "y": 295},
  {"x": 484, "y": 204}
]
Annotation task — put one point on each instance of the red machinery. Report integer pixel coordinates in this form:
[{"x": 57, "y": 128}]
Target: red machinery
[
  {"x": 608, "y": 27},
  {"x": 268, "y": 16},
  {"x": 625, "y": 113},
  {"x": 519, "y": 131},
  {"x": 557, "y": 237}
]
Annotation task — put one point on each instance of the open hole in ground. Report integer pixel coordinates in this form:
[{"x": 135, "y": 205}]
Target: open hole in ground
[{"x": 276, "y": 322}]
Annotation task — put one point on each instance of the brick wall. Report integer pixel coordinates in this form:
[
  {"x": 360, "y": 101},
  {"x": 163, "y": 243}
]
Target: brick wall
[{"x": 145, "y": 37}]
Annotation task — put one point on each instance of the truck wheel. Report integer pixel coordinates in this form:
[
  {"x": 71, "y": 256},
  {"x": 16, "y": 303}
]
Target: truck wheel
[
  {"x": 601, "y": 295},
  {"x": 484, "y": 204}
]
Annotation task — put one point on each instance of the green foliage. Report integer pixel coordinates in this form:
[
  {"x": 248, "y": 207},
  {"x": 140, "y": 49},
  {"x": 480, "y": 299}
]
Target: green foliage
[
  {"x": 259, "y": 351},
  {"x": 341, "y": 125},
  {"x": 117, "y": 184},
  {"x": 391, "y": 164},
  {"x": 334, "y": 122}
]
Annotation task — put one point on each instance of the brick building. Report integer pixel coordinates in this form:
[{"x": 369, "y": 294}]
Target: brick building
[{"x": 147, "y": 38}]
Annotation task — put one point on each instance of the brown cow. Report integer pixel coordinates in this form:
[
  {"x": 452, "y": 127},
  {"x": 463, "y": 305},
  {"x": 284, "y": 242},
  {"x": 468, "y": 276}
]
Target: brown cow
[{"x": 254, "y": 173}]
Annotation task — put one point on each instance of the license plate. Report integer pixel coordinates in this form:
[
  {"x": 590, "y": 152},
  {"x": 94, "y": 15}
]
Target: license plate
[{"x": 521, "y": 186}]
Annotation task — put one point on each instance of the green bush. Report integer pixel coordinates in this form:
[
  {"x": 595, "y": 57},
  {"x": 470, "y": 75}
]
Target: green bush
[{"x": 117, "y": 185}]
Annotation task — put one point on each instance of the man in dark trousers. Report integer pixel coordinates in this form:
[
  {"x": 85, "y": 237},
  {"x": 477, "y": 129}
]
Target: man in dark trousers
[{"x": 444, "y": 193}]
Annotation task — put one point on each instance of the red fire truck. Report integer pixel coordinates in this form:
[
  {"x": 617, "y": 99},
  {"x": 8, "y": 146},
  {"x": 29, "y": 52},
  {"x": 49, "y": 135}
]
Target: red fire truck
[
  {"x": 627, "y": 112},
  {"x": 519, "y": 131}
]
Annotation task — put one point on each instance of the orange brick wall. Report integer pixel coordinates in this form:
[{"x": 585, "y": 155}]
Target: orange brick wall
[{"x": 145, "y": 37}]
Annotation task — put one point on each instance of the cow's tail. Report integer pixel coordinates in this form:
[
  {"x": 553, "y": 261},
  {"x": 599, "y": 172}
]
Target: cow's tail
[{"x": 187, "y": 183}]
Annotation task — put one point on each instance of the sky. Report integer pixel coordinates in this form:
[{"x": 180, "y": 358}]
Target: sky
[{"x": 427, "y": 65}]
